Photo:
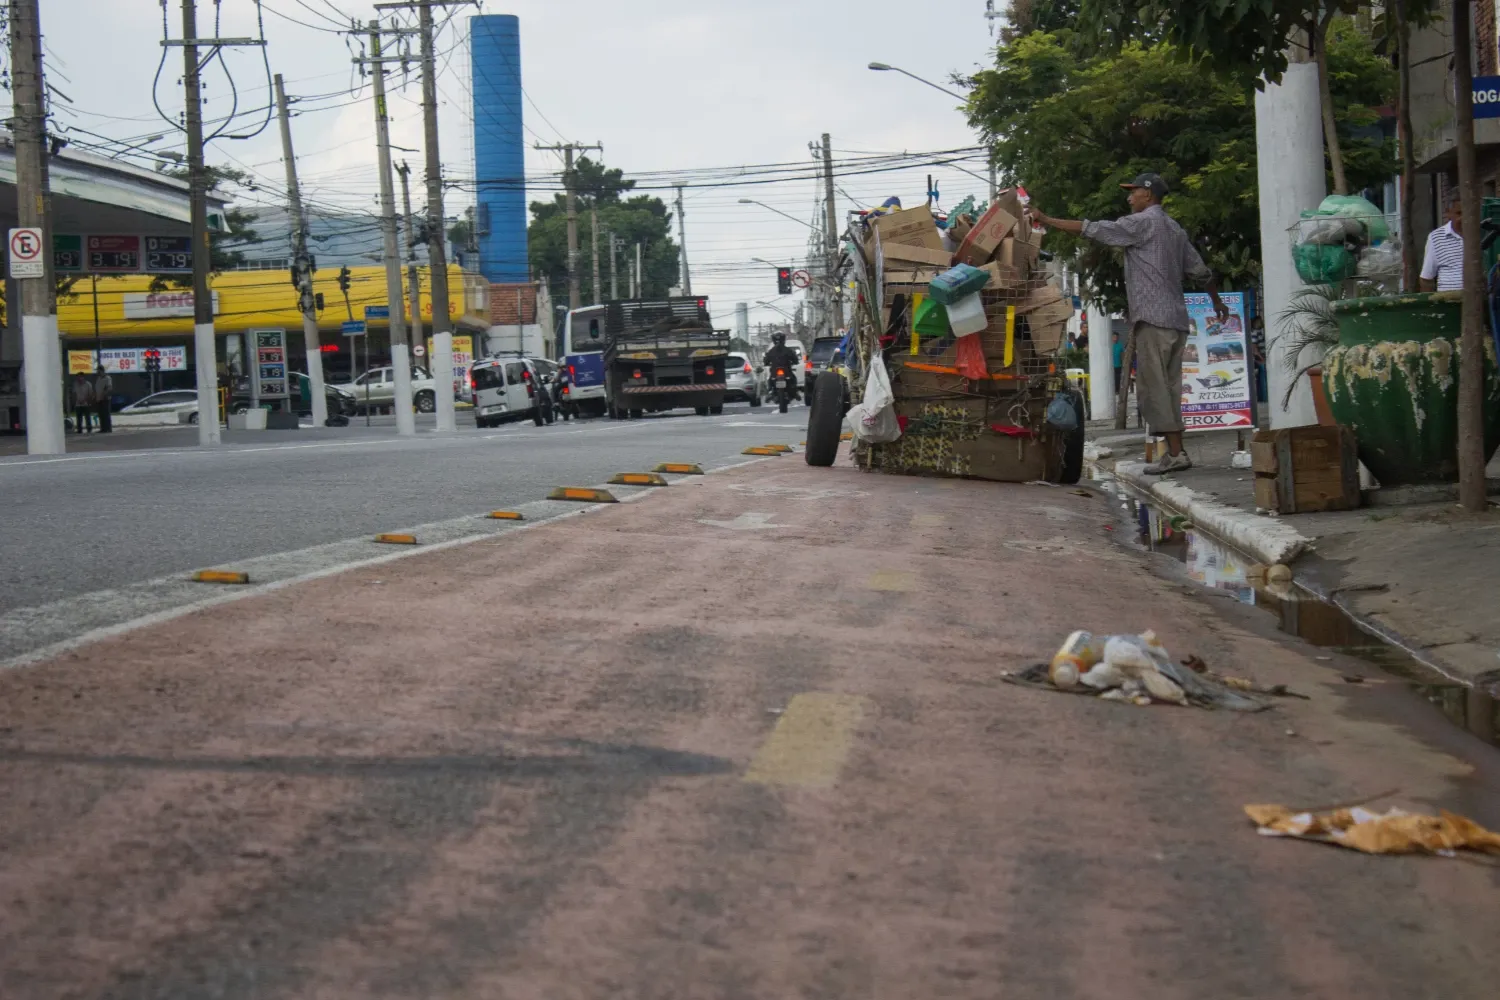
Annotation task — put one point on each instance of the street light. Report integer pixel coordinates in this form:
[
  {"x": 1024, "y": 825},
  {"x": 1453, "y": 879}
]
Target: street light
[
  {"x": 883, "y": 67},
  {"x": 752, "y": 201}
]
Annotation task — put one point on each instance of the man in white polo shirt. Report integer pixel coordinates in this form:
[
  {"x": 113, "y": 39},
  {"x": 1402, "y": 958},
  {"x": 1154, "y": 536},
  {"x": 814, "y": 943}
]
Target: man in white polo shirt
[{"x": 1443, "y": 264}]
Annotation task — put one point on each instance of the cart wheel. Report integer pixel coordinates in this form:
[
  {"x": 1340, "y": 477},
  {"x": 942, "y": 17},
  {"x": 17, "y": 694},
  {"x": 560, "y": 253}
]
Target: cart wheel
[
  {"x": 825, "y": 420},
  {"x": 1072, "y": 467}
]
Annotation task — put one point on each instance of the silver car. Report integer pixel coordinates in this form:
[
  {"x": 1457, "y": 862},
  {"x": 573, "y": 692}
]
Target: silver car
[{"x": 744, "y": 380}]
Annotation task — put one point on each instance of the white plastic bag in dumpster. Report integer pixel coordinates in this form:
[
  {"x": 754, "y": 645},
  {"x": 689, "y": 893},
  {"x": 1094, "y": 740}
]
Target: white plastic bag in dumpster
[{"x": 874, "y": 420}]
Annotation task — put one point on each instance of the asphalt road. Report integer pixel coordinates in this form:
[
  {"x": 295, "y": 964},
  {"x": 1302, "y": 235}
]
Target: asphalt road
[{"x": 86, "y": 522}]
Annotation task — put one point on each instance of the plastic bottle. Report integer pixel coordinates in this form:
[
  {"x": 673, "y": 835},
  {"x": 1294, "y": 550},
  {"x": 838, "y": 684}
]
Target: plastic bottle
[{"x": 1078, "y": 653}]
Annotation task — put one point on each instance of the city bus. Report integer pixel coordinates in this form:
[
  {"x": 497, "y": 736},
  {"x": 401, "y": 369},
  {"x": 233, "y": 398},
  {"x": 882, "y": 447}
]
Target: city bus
[{"x": 583, "y": 353}]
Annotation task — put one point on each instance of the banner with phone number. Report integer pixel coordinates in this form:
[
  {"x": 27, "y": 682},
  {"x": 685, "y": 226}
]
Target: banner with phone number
[{"x": 1217, "y": 384}]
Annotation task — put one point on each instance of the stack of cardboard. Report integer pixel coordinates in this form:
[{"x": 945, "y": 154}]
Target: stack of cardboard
[{"x": 992, "y": 428}]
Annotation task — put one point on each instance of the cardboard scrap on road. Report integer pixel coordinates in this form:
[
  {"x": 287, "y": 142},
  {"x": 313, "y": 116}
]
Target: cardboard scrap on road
[{"x": 1392, "y": 832}]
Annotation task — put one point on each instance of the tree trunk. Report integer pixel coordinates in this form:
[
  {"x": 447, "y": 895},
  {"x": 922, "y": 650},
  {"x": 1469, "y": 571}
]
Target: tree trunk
[
  {"x": 1325, "y": 93},
  {"x": 1408, "y": 152},
  {"x": 1471, "y": 342},
  {"x": 1122, "y": 394}
]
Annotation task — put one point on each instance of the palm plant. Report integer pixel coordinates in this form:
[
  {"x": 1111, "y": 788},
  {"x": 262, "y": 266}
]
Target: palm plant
[{"x": 1307, "y": 324}]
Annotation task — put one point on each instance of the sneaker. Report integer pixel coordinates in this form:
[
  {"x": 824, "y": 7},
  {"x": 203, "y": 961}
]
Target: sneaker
[{"x": 1169, "y": 463}]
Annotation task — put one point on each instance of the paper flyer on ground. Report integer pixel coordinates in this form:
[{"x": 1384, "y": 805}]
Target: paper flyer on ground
[{"x": 1216, "y": 379}]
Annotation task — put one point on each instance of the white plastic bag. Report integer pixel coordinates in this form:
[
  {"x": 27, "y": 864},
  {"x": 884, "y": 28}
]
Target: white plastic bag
[{"x": 873, "y": 421}]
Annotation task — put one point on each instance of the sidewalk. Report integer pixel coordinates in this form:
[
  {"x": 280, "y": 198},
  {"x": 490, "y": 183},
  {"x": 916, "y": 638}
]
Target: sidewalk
[
  {"x": 745, "y": 736},
  {"x": 1423, "y": 574}
]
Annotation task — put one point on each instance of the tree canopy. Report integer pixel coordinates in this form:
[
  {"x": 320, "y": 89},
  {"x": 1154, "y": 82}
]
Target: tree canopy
[
  {"x": 1072, "y": 126},
  {"x": 637, "y": 219}
]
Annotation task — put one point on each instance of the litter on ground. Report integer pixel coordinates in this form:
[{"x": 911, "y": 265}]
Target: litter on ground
[{"x": 1394, "y": 831}]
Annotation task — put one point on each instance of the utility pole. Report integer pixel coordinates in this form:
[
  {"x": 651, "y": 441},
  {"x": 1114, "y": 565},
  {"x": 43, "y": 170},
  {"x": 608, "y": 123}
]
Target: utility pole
[
  {"x": 575, "y": 292},
  {"x": 302, "y": 264},
  {"x": 437, "y": 251},
  {"x": 41, "y": 352},
  {"x": 406, "y": 423},
  {"x": 640, "y": 275},
  {"x": 413, "y": 282},
  {"x": 204, "y": 348},
  {"x": 614, "y": 283},
  {"x": 687, "y": 276},
  {"x": 831, "y": 239},
  {"x": 594, "y": 246}
]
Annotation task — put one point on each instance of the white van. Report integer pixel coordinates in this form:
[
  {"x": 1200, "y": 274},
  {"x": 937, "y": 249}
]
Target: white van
[{"x": 503, "y": 389}]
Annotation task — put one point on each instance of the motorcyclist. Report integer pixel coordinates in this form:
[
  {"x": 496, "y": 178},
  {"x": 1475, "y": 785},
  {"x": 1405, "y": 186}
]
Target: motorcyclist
[
  {"x": 560, "y": 399},
  {"x": 783, "y": 357}
]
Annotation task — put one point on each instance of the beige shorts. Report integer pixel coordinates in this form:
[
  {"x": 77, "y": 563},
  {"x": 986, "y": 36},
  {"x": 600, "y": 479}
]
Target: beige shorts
[{"x": 1158, "y": 378}]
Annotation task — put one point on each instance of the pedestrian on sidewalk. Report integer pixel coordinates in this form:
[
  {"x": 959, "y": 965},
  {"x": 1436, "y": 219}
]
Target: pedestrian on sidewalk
[
  {"x": 104, "y": 388},
  {"x": 83, "y": 403},
  {"x": 1158, "y": 255},
  {"x": 1117, "y": 349},
  {"x": 1443, "y": 263}
]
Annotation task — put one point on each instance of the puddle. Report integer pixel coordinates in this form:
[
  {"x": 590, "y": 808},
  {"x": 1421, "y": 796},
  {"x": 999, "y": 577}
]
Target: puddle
[{"x": 1303, "y": 614}]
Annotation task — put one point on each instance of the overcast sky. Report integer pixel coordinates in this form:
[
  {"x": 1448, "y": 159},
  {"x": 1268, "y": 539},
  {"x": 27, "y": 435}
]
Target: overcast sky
[{"x": 662, "y": 84}]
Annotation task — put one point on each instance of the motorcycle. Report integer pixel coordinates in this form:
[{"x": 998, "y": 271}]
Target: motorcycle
[
  {"x": 783, "y": 387},
  {"x": 562, "y": 399},
  {"x": 541, "y": 398}
]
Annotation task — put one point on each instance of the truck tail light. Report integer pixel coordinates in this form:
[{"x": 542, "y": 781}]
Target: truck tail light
[
  {"x": 636, "y": 373},
  {"x": 710, "y": 370}
]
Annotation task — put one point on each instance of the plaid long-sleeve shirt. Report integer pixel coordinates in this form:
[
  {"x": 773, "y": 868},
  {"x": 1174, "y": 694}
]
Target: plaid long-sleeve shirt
[{"x": 1158, "y": 255}]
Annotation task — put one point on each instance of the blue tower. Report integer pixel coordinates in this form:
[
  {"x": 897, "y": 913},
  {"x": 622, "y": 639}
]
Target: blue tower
[{"x": 499, "y": 149}]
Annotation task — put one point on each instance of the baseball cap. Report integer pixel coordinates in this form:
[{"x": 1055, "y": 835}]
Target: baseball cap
[{"x": 1151, "y": 182}]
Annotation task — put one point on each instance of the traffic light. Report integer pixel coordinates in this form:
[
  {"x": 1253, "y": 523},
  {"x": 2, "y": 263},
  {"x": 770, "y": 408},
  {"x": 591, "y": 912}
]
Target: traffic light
[
  {"x": 344, "y": 279},
  {"x": 783, "y": 281},
  {"x": 152, "y": 357}
]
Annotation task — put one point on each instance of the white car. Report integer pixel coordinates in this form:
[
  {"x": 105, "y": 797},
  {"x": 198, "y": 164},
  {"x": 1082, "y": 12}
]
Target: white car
[
  {"x": 168, "y": 401},
  {"x": 381, "y": 384},
  {"x": 745, "y": 380},
  {"x": 505, "y": 388}
]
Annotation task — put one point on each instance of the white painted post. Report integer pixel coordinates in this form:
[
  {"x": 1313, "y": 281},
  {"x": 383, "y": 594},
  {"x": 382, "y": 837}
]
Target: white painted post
[
  {"x": 1289, "y": 152},
  {"x": 1101, "y": 365}
]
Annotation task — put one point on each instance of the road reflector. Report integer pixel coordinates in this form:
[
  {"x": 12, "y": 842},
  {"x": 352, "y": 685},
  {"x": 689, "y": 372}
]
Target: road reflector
[
  {"x": 679, "y": 468},
  {"x": 783, "y": 448},
  {"x": 582, "y": 493},
  {"x": 220, "y": 576},
  {"x": 846, "y": 436},
  {"x": 505, "y": 515},
  {"x": 396, "y": 539},
  {"x": 638, "y": 479},
  {"x": 776, "y": 452}
]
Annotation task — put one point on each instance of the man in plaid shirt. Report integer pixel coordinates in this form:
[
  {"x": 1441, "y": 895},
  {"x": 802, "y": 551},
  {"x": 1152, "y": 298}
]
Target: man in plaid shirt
[{"x": 1158, "y": 255}]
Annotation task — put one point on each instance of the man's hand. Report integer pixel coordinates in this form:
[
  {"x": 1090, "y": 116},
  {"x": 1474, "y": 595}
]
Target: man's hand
[{"x": 1220, "y": 308}]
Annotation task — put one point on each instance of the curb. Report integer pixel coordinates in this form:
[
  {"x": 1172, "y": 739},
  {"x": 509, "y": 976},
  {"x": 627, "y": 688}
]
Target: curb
[{"x": 1267, "y": 540}]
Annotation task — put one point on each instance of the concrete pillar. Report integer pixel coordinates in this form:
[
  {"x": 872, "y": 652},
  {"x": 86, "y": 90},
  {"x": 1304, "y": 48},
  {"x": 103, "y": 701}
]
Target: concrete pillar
[
  {"x": 1289, "y": 153},
  {"x": 10, "y": 336},
  {"x": 1101, "y": 365}
]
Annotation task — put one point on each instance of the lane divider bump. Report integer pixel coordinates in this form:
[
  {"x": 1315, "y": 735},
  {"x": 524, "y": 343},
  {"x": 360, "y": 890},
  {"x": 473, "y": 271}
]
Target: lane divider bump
[
  {"x": 220, "y": 576},
  {"x": 506, "y": 515},
  {"x": 762, "y": 451},
  {"x": 583, "y": 494},
  {"x": 638, "y": 479},
  {"x": 389, "y": 538},
  {"x": 680, "y": 468}
]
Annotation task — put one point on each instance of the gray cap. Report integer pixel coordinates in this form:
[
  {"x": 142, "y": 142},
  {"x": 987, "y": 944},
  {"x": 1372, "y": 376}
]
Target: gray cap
[{"x": 1152, "y": 183}]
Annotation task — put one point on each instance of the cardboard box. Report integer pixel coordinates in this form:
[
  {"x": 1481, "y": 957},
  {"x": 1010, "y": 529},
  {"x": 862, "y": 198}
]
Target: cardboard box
[
  {"x": 1003, "y": 278},
  {"x": 985, "y": 238},
  {"x": 899, "y": 255},
  {"x": 913, "y": 227},
  {"x": 1049, "y": 338},
  {"x": 1040, "y": 297},
  {"x": 1305, "y": 469}
]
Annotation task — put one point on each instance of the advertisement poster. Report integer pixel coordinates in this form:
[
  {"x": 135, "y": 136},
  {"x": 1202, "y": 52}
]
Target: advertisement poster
[
  {"x": 1217, "y": 384},
  {"x": 125, "y": 360},
  {"x": 463, "y": 359}
]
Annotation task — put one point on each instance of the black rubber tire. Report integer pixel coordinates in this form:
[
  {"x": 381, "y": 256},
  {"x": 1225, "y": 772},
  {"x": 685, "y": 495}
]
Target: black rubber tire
[
  {"x": 637, "y": 414},
  {"x": 754, "y": 401},
  {"x": 782, "y": 405},
  {"x": 193, "y": 419},
  {"x": 702, "y": 411},
  {"x": 715, "y": 411},
  {"x": 825, "y": 421},
  {"x": 536, "y": 416},
  {"x": 426, "y": 402},
  {"x": 1072, "y": 467}
]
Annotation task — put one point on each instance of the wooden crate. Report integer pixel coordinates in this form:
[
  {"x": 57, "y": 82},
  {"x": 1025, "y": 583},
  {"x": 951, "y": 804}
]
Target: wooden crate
[{"x": 1300, "y": 470}]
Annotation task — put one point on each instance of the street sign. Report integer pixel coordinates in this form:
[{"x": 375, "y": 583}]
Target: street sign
[
  {"x": 114, "y": 254},
  {"x": 377, "y": 312},
  {"x": 26, "y": 253},
  {"x": 169, "y": 254},
  {"x": 67, "y": 253},
  {"x": 354, "y": 328},
  {"x": 1487, "y": 97},
  {"x": 419, "y": 350},
  {"x": 801, "y": 279}
]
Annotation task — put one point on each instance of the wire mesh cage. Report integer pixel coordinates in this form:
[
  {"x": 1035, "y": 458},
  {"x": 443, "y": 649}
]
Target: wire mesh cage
[{"x": 1354, "y": 253}]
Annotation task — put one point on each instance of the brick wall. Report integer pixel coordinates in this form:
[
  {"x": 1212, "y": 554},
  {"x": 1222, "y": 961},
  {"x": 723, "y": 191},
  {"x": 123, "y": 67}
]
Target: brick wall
[
  {"x": 1485, "y": 38},
  {"x": 512, "y": 305}
]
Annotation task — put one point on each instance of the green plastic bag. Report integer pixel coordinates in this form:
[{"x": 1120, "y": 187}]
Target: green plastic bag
[
  {"x": 930, "y": 319},
  {"x": 1323, "y": 264},
  {"x": 1351, "y": 206}
]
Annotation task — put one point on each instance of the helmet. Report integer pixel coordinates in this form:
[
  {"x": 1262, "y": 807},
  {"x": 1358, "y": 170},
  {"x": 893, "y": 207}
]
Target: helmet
[{"x": 779, "y": 339}]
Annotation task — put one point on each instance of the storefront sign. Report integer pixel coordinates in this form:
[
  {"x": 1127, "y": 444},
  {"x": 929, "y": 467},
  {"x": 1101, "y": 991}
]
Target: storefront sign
[
  {"x": 268, "y": 367},
  {"x": 125, "y": 360},
  {"x": 1487, "y": 97},
  {"x": 67, "y": 253},
  {"x": 162, "y": 305},
  {"x": 1217, "y": 387}
]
